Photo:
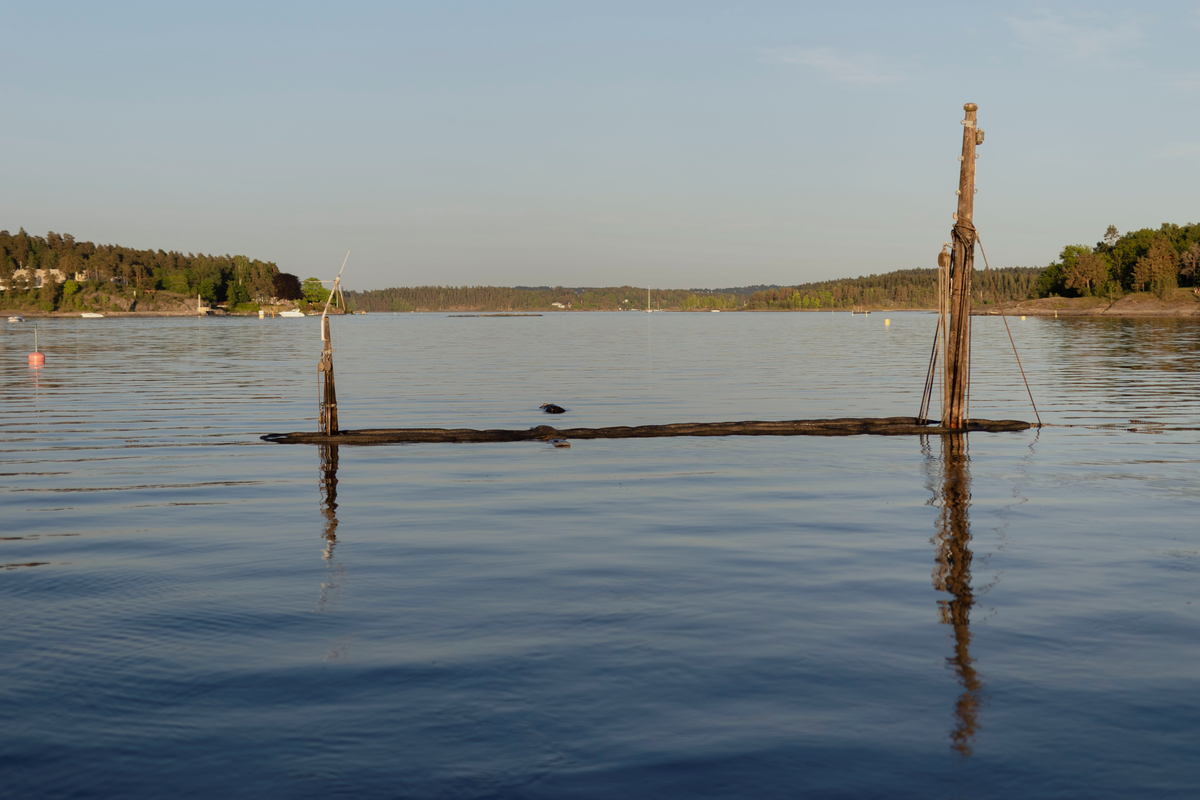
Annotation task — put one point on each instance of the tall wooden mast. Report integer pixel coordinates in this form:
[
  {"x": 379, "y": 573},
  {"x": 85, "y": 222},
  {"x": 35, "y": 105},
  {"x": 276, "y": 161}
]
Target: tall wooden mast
[{"x": 957, "y": 365}]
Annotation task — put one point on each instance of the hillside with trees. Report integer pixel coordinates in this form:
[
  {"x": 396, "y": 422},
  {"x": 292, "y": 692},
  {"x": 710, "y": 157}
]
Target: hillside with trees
[
  {"x": 1146, "y": 260},
  {"x": 905, "y": 288},
  {"x": 115, "y": 276},
  {"x": 912, "y": 288}
]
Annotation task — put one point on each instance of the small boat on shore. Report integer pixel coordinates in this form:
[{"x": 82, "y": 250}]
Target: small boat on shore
[
  {"x": 91, "y": 315},
  {"x": 291, "y": 313}
]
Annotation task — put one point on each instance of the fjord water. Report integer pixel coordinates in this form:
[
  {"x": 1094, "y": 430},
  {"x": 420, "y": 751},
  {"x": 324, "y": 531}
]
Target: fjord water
[{"x": 188, "y": 611}]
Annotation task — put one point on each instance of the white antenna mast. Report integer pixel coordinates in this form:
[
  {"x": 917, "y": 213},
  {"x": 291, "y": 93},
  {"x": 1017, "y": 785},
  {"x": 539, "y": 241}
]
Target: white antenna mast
[{"x": 333, "y": 293}]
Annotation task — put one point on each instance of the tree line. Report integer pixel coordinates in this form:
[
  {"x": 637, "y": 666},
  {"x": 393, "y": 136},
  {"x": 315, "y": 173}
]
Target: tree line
[
  {"x": 1152, "y": 260},
  {"x": 232, "y": 279},
  {"x": 911, "y": 288},
  {"x": 1157, "y": 260},
  {"x": 543, "y": 298},
  {"x": 905, "y": 288}
]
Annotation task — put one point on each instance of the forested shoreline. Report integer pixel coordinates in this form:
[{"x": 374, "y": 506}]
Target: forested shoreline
[
  {"x": 1159, "y": 260},
  {"x": 55, "y": 272},
  {"x": 910, "y": 288},
  {"x": 1147, "y": 260},
  {"x": 1156, "y": 260}
]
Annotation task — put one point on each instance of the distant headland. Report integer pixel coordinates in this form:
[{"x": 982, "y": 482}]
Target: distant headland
[{"x": 56, "y": 274}]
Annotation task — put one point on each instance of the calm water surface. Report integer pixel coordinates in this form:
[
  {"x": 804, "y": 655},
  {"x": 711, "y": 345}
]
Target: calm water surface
[{"x": 188, "y": 611}]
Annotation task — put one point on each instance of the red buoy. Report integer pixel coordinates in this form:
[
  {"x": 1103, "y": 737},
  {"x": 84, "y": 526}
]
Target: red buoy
[{"x": 36, "y": 359}]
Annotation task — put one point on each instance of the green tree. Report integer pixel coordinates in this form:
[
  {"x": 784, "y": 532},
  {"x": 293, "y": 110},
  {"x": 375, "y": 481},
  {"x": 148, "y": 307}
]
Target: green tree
[
  {"x": 313, "y": 291},
  {"x": 1158, "y": 267},
  {"x": 1111, "y": 235},
  {"x": 1189, "y": 259},
  {"x": 262, "y": 280},
  {"x": 21, "y": 248},
  {"x": 1054, "y": 280},
  {"x": 1051, "y": 280},
  {"x": 49, "y": 293},
  {"x": 237, "y": 293},
  {"x": 241, "y": 269},
  {"x": 1087, "y": 273},
  {"x": 178, "y": 283}
]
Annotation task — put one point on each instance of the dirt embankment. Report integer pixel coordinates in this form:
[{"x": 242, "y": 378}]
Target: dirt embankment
[
  {"x": 147, "y": 304},
  {"x": 1181, "y": 304},
  {"x": 162, "y": 303}
]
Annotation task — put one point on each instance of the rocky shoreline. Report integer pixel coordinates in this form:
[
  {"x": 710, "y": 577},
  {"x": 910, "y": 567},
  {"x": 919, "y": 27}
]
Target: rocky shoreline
[{"x": 1183, "y": 304}]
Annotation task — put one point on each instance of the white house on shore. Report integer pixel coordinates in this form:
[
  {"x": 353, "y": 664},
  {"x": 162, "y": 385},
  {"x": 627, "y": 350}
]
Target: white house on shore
[{"x": 40, "y": 275}]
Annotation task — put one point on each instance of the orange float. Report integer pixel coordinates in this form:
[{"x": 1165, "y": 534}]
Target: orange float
[{"x": 36, "y": 359}]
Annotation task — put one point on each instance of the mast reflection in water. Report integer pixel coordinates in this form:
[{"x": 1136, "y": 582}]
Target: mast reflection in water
[
  {"x": 328, "y": 486},
  {"x": 952, "y": 574}
]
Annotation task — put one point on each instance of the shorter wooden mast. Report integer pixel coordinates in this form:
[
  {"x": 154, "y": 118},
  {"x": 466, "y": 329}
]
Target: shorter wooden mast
[{"x": 328, "y": 418}]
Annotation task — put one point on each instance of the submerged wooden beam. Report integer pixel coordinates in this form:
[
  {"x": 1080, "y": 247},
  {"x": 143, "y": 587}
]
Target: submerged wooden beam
[{"x": 848, "y": 426}]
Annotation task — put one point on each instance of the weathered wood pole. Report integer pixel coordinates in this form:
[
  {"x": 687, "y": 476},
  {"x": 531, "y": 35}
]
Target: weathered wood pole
[
  {"x": 957, "y": 366},
  {"x": 329, "y": 418},
  {"x": 944, "y": 265}
]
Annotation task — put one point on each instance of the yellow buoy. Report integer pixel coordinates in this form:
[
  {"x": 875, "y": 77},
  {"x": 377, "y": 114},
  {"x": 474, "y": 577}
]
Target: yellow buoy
[
  {"x": 887, "y": 322},
  {"x": 1022, "y": 319}
]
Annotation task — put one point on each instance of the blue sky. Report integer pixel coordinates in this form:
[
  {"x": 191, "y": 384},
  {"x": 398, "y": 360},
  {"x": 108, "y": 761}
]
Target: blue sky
[{"x": 678, "y": 144}]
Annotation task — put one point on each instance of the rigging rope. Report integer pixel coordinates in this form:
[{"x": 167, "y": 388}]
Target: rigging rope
[
  {"x": 930, "y": 375},
  {"x": 996, "y": 294}
]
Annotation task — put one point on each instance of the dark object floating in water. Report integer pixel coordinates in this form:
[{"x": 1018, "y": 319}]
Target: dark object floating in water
[
  {"x": 550, "y": 408},
  {"x": 851, "y": 426}
]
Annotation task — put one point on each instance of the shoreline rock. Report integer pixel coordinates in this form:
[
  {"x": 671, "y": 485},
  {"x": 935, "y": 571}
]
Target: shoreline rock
[{"x": 1183, "y": 305}]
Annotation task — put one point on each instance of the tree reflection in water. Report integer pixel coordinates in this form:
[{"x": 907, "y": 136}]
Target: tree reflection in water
[{"x": 952, "y": 574}]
